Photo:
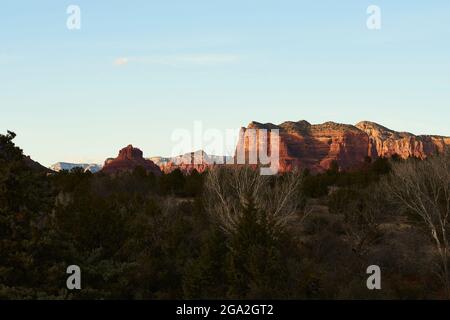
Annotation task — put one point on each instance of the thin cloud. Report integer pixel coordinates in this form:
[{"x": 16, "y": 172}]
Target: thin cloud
[
  {"x": 181, "y": 60},
  {"x": 121, "y": 61}
]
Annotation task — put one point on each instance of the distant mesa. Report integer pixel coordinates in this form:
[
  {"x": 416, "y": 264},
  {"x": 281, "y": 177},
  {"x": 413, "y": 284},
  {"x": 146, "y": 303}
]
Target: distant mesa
[
  {"x": 60, "y": 166},
  {"x": 128, "y": 159},
  {"x": 317, "y": 146},
  {"x": 384, "y": 142},
  {"x": 198, "y": 160}
]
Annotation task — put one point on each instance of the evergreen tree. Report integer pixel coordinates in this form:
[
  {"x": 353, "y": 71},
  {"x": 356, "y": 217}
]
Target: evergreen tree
[{"x": 255, "y": 267}]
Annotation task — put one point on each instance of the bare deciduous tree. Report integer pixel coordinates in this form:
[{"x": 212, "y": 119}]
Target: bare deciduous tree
[
  {"x": 423, "y": 188},
  {"x": 227, "y": 189},
  {"x": 362, "y": 221}
]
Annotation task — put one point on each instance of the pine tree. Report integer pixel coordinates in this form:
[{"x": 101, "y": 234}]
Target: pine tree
[{"x": 255, "y": 268}]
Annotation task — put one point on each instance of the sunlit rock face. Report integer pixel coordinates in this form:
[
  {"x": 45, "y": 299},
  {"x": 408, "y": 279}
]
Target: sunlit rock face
[
  {"x": 384, "y": 142},
  {"x": 315, "y": 147},
  {"x": 301, "y": 146}
]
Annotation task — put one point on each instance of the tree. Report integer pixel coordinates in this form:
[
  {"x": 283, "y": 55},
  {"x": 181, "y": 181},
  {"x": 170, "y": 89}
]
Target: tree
[
  {"x": 227, "y": 189},
  {"x": 361, "y": 210},
  {"x": 423, "y": 189},
  {"x": 25, "y": 201},
  {"x": 172, "y": 182},
  {"x": 205, "y": 276},
  {"x": 257, "y": 215},
  {"x": 194, "y": 184},
  {"x": 255, "y": 263}
]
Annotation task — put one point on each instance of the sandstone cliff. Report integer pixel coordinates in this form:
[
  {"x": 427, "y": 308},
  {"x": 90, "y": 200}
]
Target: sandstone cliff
[
  {"x": 384, "y": 142},
  {"x": 315, "y": 147}
]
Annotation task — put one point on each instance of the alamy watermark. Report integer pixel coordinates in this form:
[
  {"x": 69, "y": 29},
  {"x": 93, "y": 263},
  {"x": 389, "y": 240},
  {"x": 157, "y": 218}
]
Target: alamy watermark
[
  {"x": 374, "y": 280},
  {"x": 74, "y": 280},
  {"x": 73, "y": 21},
  {"x": 251, "y": 146},
  {"x": 374, "y": 20}
]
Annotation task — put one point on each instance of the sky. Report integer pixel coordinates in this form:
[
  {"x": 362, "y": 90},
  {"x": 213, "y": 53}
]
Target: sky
[{"x": 138, "y": 71}]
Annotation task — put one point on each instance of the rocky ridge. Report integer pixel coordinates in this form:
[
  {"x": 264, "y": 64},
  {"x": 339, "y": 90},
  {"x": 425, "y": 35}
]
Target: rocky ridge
[{"x": 316, "y": 146}]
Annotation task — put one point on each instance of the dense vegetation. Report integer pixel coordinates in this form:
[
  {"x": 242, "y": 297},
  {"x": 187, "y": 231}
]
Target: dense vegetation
[{"x": 137, "y": 236}]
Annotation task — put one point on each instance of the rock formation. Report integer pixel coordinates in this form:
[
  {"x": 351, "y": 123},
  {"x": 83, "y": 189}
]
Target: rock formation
[
  {"x": 198, "y": 160},
  {"x": 302, "y": 146},
  {"x": 315, "y": 147},
  {"x": 129, "y": 158},
  {"x": 384, "y": 142}
]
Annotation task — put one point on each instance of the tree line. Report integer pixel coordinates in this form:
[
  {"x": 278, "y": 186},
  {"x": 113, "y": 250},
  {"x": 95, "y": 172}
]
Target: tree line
[{"x": 225, "y": 233}]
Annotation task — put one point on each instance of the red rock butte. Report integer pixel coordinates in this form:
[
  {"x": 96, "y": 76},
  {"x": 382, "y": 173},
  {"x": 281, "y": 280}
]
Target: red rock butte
[
  {"x": 315, "y": 147},
  {"x": 128, "y": 159}
]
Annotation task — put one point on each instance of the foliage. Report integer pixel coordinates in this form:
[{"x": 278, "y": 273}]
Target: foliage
[{"x": 139, "y": 236}]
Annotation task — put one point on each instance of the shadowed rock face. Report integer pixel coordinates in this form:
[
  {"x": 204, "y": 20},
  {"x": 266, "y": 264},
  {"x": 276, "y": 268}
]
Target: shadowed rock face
[
  {"x": 128, "y": 159},
  {"x": 315, "y": 147}
]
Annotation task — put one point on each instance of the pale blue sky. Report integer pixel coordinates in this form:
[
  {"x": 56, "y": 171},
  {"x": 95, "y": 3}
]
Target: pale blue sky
[{"x": 224, "y": 63}]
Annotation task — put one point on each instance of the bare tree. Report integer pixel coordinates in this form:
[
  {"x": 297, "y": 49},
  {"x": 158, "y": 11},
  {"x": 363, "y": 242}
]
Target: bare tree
[
  {"x": 362, "y": 211},
  {"x": 423, "y": 188},
  {"x": 227, "y": 189}
]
